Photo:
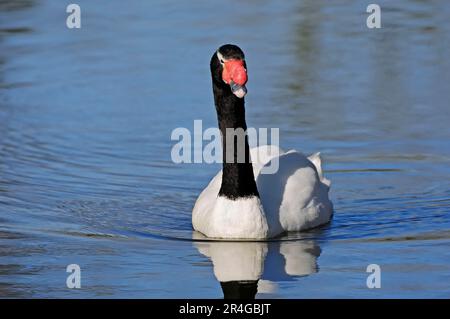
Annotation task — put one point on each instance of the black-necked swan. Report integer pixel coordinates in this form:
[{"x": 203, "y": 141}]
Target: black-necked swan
[{"x": 240, "y": 202}]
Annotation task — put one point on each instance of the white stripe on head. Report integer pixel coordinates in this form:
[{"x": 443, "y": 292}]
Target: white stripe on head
[{"x": 220, "y": 57}]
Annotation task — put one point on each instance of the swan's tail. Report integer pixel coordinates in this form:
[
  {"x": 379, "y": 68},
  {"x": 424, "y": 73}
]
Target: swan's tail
[{"x": 317, "y": 161}]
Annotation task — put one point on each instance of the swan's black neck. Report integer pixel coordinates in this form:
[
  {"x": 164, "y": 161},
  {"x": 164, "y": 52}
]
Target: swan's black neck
[
  {"x": 238, "y": 180},
  {"x": 239, "y": 289}
]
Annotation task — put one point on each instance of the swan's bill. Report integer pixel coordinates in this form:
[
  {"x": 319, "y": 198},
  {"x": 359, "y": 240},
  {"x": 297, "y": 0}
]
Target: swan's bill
[{"x": 238, "y": 90}]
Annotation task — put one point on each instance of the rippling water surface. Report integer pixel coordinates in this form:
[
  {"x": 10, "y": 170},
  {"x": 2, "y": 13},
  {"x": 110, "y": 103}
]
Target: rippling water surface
[{"x": 86, "y": 117}]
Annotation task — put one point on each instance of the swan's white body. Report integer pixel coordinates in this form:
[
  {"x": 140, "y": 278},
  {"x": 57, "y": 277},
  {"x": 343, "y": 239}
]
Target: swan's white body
[{"x": 292, "y": 199}]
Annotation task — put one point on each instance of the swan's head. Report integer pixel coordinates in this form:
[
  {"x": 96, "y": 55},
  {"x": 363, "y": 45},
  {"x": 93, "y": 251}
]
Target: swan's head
[{"x": 228, "y": 66}]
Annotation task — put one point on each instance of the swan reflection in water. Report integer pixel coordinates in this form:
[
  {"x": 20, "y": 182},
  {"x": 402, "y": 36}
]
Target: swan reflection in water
[{"x": 247, "y": 268}]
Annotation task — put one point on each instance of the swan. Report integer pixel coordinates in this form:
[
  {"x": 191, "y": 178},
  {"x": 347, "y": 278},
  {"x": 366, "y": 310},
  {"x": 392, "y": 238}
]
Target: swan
[{"x": 242, "y": 201}]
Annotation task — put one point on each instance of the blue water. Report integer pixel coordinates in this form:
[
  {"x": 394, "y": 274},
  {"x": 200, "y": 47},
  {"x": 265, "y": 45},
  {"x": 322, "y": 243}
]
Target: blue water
[{"x": 86, "y": 116}]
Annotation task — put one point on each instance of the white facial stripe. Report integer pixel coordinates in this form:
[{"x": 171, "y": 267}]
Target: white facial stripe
[{"x": 220, "y": 57}]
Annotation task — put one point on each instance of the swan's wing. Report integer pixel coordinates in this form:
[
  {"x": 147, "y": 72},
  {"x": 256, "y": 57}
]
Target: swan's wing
[
  {"x": 294, "y": 197},
  {"x": 261, "y": 155}
]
